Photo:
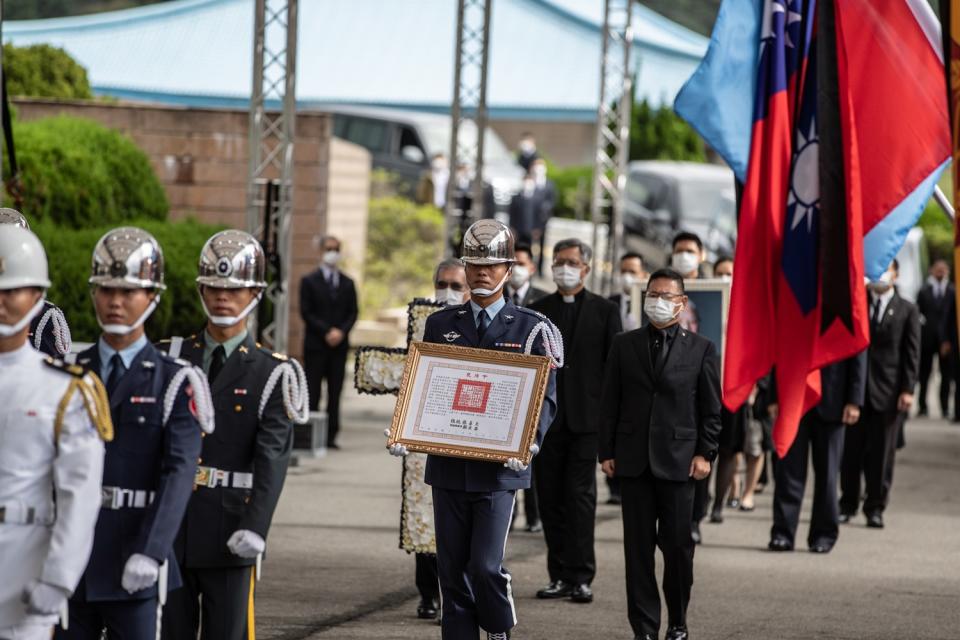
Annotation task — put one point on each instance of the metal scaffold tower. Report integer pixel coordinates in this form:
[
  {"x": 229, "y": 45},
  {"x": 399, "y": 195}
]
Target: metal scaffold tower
[
  {"x": 613, "y": 134},
  {"x": 270, "y": 173},
  {"x": 470, "y": 109}
]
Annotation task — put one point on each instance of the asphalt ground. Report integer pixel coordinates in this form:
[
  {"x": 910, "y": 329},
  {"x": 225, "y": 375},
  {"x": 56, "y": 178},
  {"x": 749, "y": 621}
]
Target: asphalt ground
[{"x": 334, "y": 569}]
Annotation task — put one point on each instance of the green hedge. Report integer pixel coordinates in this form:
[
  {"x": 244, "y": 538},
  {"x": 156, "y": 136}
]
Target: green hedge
[
  {"x": 404, "y": 244},
  {"x": 69, "y": 252},
  {"x": 42, "y": 71},
  {"x": 79, "y": 174}
]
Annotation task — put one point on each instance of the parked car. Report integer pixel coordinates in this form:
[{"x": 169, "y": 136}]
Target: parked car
[
  {"x": 664, "y": 198},
  {"x": 403, "y": 142}
]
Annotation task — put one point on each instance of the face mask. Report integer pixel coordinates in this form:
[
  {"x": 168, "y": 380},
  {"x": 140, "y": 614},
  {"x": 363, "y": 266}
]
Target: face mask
[
  {"x": 685, "y": 262},
  {"x": 660, "y": 310},
  {"x": 448, "y": 296},
  {"x": 540, "y": 171},
  {"x": 229, "y": 321},
  {"x": 726, "y": 277},
  {"x": 486, "y": 293},
  {"x": 628, "y": 280},
  {"x": 519, "y": 276},
  {"x": 124, "y": 329},
  {"x": 882, "y": 284},
  {"x": 7, "y": 330},
  {"x": 566, "y": 277},
  {"x": 331, "y": 258},
  {"x": 527, "y": 147}
]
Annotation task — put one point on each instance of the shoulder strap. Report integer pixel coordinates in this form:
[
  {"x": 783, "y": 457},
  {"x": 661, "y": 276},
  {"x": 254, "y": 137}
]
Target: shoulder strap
[
  {"x": 95, "y": 401},
  {"x": 176, "y": 345}
]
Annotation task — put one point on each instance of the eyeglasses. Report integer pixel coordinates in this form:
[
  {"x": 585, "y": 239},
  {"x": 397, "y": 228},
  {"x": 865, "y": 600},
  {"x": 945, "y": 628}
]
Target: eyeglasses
[
  {"x": 670, "y": 297},
  {"x": 576, "y": 264}
]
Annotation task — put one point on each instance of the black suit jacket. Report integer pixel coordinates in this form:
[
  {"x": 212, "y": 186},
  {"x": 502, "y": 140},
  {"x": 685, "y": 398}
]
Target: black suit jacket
[
  {"x": 842, "y": 383},
  {"x": 580, "y": 382},
  {"x": 532, "y": 295},
  {"x": 894, "y": 355},
  {"x": 660, "y": 420},
  {"x": 932, "y": 314},
  {"x": 322, "y": 309},
  {"x": 243, "y": 442}
]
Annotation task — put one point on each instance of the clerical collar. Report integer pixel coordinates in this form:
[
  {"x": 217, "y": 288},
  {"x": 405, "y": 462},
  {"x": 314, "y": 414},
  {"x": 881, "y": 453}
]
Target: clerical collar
[{"x": 572, "y": 298}]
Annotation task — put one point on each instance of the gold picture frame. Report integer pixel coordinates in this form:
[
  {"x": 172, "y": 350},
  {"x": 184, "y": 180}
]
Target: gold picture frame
[{"x": 467, "y": 403}]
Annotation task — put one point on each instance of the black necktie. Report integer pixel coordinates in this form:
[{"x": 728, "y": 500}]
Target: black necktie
[
  {"x": 516, "y": 298},
  {"x": 875, "y": 316},
  {"x": 216, "y": 362},
  {"x": 659, "y": 349},
  {"x": 484, "y": 321},
  {"x": 116, "y": 372}
]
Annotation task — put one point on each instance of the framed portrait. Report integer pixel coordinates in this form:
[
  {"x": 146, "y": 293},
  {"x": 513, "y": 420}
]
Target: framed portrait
[{"x": 469, "y": 403}]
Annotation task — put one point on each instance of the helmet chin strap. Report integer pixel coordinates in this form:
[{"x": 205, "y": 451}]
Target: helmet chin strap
[
  {"x": 124, "y": 329},
  {"x": 7, "y": 330},
  {"x": 229, "y": 321},
  {"x": 483, "y": 293}
]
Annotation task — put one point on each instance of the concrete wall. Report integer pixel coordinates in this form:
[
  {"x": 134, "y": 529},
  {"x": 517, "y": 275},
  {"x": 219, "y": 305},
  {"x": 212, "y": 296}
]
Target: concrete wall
[
  {"x": 565, "y": 143},
  {"x": 200, "y": 156}
]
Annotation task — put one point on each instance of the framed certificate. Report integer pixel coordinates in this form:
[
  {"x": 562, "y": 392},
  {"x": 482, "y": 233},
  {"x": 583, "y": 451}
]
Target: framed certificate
[{"x": 469, "y": 403}]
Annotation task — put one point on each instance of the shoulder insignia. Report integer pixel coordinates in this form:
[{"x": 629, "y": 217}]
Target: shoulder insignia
[
  {"x": 461, "y": 312},
  {"x": 243, "y": 349},
  {"x": 279, "y": 356},
  {"x": 148, "y": 364},
  {"x": 60, "y": 365},
  {"x": 451, "y": 336},
  {"x": 506, "y": 317}
]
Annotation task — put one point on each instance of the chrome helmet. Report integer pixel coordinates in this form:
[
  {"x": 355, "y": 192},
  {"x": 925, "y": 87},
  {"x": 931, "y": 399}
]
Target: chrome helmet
[
  {"x": 14, "y": 217},
  {"x": 23, "y": 262},
  {"x": 127, "y": 258},
  {"x": 232, "y": 259},
  {"x": 488, "y": 242}
]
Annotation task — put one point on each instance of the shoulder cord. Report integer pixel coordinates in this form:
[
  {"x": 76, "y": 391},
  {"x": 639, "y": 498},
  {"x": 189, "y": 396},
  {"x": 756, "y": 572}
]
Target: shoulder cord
[
  {"x": 293, "y": 389},
  {"x": 95, "y": 401},
  {"x": 61, "y": 330},
  {"x": 202, "y": 398},
  {"x": 552, "y": 342}
]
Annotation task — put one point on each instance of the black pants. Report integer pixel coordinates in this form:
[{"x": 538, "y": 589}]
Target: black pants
[
  {"x": 566, "y": 481},
  {"x": 329, "y": 365},
  {"x": 428, "y": 583},
  {"x": 657, "y": 513},
  {"x": 122, "y": 619},
  {"x": 701, "y": 496},
  {"x": 927, "y": 355},
  {"x": 531, "y": 510},
  {"x": 219, "y": 597},
  {"x": 822, "y": 442},
  {"x": 869, "y": 448}
]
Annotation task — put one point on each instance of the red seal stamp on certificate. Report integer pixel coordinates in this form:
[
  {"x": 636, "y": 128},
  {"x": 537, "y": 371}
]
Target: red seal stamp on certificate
[{"x": 471, "y": 395}]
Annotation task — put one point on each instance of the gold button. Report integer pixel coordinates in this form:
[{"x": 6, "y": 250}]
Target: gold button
[
  {"x": 199, "y": 460},
  {"x": 238, "y": 408}
]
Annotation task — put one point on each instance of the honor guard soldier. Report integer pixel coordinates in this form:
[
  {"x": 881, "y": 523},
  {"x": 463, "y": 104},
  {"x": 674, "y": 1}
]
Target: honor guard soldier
[
  {"x": 473, "y": 500},
  {"x": 257, "y": 395},
  {"x": 51, "y": 460},
  {"x": 49, "y": 331},
  {"x": 158, "y": 406}
]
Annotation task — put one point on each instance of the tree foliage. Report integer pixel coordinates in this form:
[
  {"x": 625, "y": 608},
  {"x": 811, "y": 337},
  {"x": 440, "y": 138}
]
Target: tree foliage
[
  {"x": 660, "y": 134},
  {"x": 43, "y": 71}
]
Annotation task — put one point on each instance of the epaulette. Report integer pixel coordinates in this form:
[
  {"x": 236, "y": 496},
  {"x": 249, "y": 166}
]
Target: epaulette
[
  {"x": 74, "y": 370},
  {"x": 280, "y": 356},
  {"x": 93, "y": 396}
]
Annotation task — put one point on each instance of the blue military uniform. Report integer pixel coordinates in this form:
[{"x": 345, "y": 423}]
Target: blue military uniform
[
  {"x": 473, "y": 500},
  {"x": 147, "y": 480}
]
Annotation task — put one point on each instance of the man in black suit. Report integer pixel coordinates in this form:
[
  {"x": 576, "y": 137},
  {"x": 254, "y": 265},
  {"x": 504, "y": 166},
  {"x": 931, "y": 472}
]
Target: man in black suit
[
  {"x": 821, "y": 433},
  {"x": 892, "y": 363},
  {"x": 328, "y": 306},
  {"x": 520, "y": 289},
  {"x": 659, "y": 427},
  {"x": 932, "y": 303},
  {"x": 566, "y": 471},
  {"x": 632, "y": 272}
]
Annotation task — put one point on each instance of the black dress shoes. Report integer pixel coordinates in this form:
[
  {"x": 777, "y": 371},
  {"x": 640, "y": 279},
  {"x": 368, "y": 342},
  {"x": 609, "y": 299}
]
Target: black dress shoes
[
  {"x": 646, "y": 636},
  {"x": 875, "y": 521},
  {"x": 844, "y": 517},
  {"x": 677, "y": 632},
  {"x": 695, "y": 533},
  {"x": 536, "y": 527},
  {"x": 582, "y": 593},
  {"x": 780, "y": 544},
  {"x": 556, "y": 589},
  {"x": 427, "y": 609},
  {"x": 716, "y": 517},
  {"x": 821, "y": 546}
]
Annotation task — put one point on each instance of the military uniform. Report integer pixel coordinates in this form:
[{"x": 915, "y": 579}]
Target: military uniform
[
  {"x": 147, "y": 480},
  {"x": 473, "y": 500},
  {"x": 49, "y": 331},
  {"x": 50, "y": 470},
  {"x": 243, "y": 465}
]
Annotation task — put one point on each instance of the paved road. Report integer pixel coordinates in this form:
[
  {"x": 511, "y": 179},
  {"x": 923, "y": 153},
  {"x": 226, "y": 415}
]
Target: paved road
[{"x": 334, "y": 570}]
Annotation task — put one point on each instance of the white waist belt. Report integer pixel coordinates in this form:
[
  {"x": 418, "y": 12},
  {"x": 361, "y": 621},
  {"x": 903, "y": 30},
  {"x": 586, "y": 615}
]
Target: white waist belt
[
  {"x": 18, "y": 513},
  {"x": 212, "y": 477},
  {"x": 119, "y": 498}
]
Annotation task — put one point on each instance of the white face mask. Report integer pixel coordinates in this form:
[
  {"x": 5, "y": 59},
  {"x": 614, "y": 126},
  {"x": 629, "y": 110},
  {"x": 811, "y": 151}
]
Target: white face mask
[
  {"x": 124, "y": 329},
  {"x": 229, "y": 321},
  {"x": 331, "y": 258},
  {"x": 566, "y": 277},
  {"x": 7, "y": 330},
  {"x": 448, "y": 296},
  {"x": 527, "y": 146},
  {"x": 660, "y": 310},
  {"x": 540, "y": 171},
  {"x": 628, "y": 280},
  {"x": 726, "y": 277},
  {"x": 685, "y": 262},
  {"x": 486, "y": 293},
  {"x": 519, "y": 276}
]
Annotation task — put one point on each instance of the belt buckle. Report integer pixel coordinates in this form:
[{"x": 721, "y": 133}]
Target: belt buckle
[{"x": 202, "y": 477}]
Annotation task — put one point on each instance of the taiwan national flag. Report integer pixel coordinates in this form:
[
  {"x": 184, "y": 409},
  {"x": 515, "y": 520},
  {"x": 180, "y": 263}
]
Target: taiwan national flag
[{"x": 848, "y": 136}]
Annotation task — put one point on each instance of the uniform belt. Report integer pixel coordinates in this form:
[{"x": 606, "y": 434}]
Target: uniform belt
[
  {"x": 212, "y": 477},
  {"x": 16, "y": 513},
  {"x": 119, "y": 498}
]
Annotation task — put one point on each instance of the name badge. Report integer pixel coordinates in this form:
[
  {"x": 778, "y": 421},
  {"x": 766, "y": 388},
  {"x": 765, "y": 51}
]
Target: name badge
[
  {"x": 508, "y": 345},
  {"x": 239, "y": 392},
  {"x": 143, "y": 400}
]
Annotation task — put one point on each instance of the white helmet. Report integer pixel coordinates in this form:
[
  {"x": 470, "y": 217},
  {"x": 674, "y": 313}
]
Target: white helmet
[
  {"x": 23, "y": 262},
  {"x": 14, "y": 217}
]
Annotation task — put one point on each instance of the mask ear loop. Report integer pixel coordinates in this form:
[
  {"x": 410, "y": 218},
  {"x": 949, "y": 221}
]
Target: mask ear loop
[
  {"x": 124, "y": 329},
  {"x": 7, "y": 330},
  {"x": 229, "y": 321}
]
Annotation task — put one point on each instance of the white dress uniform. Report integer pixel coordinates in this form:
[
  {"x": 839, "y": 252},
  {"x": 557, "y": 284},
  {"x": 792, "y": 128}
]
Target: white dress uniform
[{"x": 49, "y": 482}]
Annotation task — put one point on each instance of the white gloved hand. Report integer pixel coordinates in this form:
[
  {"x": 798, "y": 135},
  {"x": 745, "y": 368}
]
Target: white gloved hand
[
  {"x": 139, "y": 573},
  {"x": 396, "y": 449},
  {"x": 44, "y": 599},
  {"x": 246, "y": 544},
  {"x": 514, "y": 464}
]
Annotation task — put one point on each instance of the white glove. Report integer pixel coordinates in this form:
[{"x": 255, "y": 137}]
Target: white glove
[
  {"x": 43, "y": 599},
  {"x": 514, "y": 464},
  {"x": 396, "y": 449},
  {"x": 246, "y": 544},
  {"x": 139, "y": 573}
]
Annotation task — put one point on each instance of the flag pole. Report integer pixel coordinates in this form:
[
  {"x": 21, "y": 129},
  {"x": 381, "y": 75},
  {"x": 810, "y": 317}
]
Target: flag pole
[{"x": 944, "y": 203}]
